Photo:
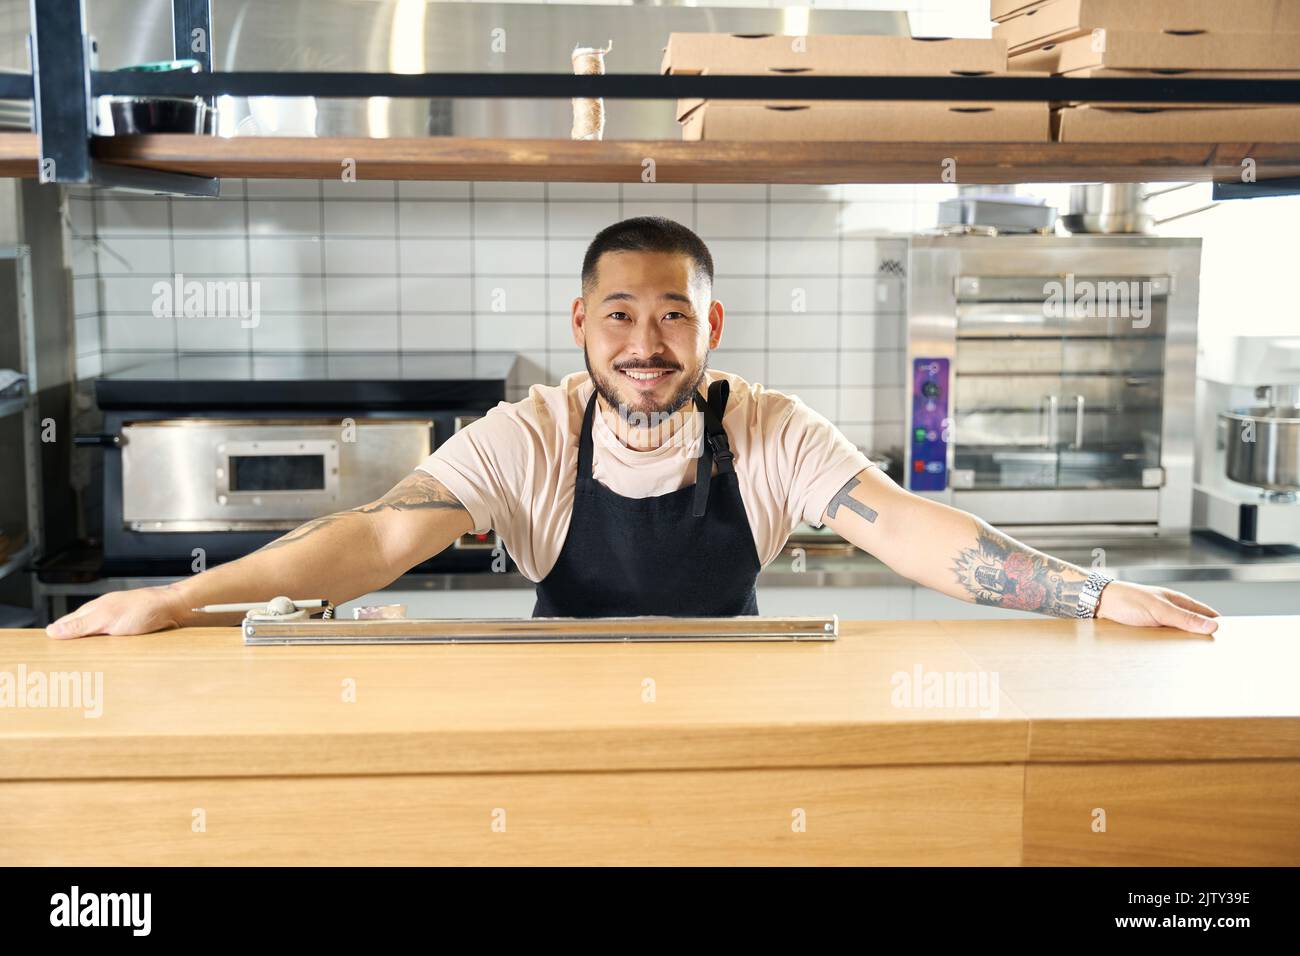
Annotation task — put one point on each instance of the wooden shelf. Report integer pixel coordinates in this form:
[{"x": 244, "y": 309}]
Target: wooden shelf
[
  {"x": 18, "y": 155},
  {"x": 556, "y": 160}
]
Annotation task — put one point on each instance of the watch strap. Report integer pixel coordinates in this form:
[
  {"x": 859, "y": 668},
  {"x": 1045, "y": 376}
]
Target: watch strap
[{"x": 1090, "y": 594}]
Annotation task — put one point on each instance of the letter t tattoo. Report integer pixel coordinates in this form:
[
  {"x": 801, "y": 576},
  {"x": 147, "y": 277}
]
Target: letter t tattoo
[{"x": 842, "y": 497}]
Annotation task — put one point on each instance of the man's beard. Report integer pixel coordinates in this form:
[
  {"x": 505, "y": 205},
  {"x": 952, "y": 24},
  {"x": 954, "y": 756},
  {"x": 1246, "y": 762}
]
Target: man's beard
[{"x": 606, "y": 391}]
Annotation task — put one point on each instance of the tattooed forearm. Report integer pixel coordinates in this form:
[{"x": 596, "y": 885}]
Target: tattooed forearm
[
  {"x": 417, "y": 490},
  {"x": 1002, "y": 572},
  {"x": 303, "y": 530},
  {"x": 843, "y": 497}
]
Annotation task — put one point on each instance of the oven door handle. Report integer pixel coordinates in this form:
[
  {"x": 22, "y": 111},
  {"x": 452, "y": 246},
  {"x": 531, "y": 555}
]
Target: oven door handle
[
  {"x": 1047, "y": 423},
  {"x": 97, "y": 441}
]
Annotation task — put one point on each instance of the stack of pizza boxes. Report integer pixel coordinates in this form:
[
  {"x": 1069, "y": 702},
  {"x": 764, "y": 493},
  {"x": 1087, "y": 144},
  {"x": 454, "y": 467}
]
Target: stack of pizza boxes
[
  {"x": 1165, "y": 39},
  {"x": 722, "y": 54}
]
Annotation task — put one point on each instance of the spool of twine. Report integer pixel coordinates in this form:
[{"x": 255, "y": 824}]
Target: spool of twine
[{"x": 589, "y": 112}]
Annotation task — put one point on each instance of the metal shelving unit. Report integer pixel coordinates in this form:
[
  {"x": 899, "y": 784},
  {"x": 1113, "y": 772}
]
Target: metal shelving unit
[
  {"x": 22, "y": 334},
  {"x": 64, "y": 85}
]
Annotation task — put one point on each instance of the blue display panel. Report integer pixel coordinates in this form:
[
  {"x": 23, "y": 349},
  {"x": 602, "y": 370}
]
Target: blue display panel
[{"x": 929, "y": 462}]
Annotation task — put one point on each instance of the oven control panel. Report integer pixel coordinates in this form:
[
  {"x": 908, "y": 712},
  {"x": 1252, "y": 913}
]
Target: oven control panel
[{"x": 929, "y": 458}]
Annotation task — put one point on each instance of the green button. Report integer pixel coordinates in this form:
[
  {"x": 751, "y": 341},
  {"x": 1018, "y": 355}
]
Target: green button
[{"x": 920, "y": 434}]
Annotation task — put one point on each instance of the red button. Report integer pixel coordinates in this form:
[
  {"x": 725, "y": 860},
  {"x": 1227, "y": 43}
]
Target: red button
[{"x": 918, "y": 466}]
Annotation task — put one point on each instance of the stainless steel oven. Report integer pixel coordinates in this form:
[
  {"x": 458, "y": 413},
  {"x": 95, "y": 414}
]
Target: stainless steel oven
[
  {"x": 218, "y": 455},
  {"x": 260, "y": 474},
  {"x": 1052, "y": 380}
]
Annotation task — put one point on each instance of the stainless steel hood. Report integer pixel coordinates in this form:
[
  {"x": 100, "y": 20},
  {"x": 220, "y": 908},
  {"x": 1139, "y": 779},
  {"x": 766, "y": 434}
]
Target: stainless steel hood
[{"x": 414, "y": 36}]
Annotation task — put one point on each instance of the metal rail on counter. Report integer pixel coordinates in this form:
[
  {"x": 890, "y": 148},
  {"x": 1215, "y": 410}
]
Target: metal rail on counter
[{"x": 546, "y": 630}]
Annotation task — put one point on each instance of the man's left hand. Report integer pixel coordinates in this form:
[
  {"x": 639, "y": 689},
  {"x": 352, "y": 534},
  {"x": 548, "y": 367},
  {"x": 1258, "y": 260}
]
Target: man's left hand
[{"x": 1144, "y": 606}]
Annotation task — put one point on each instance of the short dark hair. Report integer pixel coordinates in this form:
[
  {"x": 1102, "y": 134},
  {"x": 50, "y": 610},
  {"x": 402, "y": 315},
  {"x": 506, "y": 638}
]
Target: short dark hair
[{"x": 646, "y": 234}]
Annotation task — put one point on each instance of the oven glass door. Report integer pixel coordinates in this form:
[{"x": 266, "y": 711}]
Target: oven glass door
[
  {"x": 1111, "y": 401},
  {"x": 1053, "y": 392},
  {"x": 1006, "y": 396}
]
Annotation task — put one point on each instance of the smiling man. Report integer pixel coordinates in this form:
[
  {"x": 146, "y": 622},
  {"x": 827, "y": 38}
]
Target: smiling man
[{"x": 651, "y": 484}]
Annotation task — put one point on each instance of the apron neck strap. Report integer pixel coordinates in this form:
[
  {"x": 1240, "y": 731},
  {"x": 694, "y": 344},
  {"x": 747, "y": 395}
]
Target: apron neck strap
[
  {"x": 713, "y": 443},
  {"x": 584, "y": 440}
]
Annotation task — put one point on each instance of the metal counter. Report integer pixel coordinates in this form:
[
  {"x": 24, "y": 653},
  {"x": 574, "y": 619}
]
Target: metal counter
[{"x": 1159, "y": 561}]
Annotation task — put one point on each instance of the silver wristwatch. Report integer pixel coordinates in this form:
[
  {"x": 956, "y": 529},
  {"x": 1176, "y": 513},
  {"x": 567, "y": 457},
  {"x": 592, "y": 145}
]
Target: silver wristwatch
[{"x": 1090, "y": 594}]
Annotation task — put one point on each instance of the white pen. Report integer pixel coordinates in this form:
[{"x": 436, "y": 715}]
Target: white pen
[{"x": 259, "y": 606}]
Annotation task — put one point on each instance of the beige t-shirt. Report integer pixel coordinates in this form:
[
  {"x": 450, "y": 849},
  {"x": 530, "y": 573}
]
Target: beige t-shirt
[{"x": 515, "y": 468}]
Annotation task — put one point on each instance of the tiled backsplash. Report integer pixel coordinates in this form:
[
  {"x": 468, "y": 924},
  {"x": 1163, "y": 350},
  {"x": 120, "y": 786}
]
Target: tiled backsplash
[{"x": 810, "y": 276}]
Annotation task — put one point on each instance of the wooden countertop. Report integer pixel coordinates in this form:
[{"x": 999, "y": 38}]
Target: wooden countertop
[{"x": 197, "y": 702}]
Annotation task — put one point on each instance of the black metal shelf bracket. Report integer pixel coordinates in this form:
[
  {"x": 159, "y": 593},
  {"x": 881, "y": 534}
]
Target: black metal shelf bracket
[
  {"x": 192, "y": 34},
  {"x": 62, "y": 56},
  {"x": 1260, "y": 189}
]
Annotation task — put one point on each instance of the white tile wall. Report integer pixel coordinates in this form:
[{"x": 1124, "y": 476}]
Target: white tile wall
[{"x": 494, "y": 267}]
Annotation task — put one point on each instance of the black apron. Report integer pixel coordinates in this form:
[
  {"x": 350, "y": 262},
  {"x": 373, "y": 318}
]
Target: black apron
[{"x": 689, "y": 553}]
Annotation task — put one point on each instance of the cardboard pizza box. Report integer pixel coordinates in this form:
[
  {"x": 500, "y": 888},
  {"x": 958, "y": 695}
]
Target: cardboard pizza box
[
  {"x": 1062, "y": 20},
  {"x": 729, "y": 54},
  {"x": 1089, "y": 124},
  {"x": 1133, "y": 50},
  {"x": 879, "y": 121}
]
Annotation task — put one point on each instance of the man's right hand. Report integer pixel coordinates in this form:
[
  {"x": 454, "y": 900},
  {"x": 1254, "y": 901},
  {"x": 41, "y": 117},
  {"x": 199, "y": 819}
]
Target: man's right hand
[{"x": 138, "y": 611}]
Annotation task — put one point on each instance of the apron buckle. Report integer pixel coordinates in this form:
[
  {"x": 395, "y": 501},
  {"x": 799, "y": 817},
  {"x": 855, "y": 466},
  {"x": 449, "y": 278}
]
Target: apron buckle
[{"x": 721, "y": 447}]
